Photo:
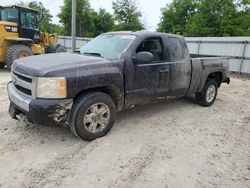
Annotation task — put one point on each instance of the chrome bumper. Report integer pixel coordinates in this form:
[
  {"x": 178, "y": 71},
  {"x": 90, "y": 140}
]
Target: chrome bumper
[{"x": 20, "y": 100}]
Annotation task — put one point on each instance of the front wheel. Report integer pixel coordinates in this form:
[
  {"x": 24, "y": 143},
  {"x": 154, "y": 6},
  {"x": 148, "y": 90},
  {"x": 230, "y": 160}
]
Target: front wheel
[
  {"x": 208, "y": 95},
  {"x": 92, "y": 116}
]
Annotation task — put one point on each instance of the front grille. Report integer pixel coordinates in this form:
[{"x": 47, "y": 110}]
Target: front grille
[
  {"x": 24, "y": 90},
  {"x": 23, "y": 78},
  {"x": 22, "y": 82}
]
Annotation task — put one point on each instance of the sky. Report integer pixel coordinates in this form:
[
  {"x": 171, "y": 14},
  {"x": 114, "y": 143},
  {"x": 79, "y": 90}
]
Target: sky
[{"x": 151, "y": 9}]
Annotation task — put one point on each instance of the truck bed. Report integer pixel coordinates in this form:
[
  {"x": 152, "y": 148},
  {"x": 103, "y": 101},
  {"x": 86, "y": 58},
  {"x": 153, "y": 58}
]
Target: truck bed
[{"x": 202, "y": 67}]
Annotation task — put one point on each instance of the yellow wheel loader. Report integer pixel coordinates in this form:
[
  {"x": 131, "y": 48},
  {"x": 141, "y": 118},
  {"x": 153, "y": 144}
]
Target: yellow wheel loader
[{"x": 20, "y": 36}]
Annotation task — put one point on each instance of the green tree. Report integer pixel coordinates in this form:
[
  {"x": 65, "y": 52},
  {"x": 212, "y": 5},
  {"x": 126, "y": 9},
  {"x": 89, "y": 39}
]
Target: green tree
[
  {"x": 214, "y": 18},
  {"x": 127, "y": 15},
  {"x": 84, "y": 18},
  {"x": 206, "y": 18},
  {"x": 103, "y": 22},
  {"x": 45, "y": 23},
  {"x": 176, "y": 15},
  {"x": 243, "y": 17}
]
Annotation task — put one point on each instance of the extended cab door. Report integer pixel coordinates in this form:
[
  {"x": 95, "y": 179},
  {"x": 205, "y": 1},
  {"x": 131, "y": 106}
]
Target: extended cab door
[
  {"x": 147, "y": 80},
  {"x": 181, "y": 69}
]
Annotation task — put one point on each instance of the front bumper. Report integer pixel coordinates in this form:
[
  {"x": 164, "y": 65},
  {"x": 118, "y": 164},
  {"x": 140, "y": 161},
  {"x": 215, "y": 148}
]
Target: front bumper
[
  {"x": 19, "y": 100},
  {"x": 40, "y": 111}
]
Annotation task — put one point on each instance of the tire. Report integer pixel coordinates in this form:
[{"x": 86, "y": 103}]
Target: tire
[
  {"x": 2, "y": 65},
  {"x": 17, "y": 51},
  {"x": 87, "y": 113},
  {"x": 55, "y": 48},
  {"x": 209, "y": 93},
  {"x": 61, "y": 49}
]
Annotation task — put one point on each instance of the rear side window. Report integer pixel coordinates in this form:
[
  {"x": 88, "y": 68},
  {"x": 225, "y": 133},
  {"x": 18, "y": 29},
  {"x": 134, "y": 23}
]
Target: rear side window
[{"x": 174, "y": 49}]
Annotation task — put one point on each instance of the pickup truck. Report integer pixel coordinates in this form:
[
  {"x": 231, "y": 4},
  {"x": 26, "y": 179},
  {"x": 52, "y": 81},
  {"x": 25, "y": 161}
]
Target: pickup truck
[{"x": 112, "y": 72}]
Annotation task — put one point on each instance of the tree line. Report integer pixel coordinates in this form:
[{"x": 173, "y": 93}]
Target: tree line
[
  {"x": 204, "y": 18},
  {"x": 184, "y": 17}
]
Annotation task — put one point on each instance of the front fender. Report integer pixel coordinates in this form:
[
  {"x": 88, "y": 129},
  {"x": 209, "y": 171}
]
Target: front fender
[{"x": 99, "y": 77}]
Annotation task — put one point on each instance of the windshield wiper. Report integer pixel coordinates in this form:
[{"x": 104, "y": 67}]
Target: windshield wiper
[{"x": 93, "y": 53}]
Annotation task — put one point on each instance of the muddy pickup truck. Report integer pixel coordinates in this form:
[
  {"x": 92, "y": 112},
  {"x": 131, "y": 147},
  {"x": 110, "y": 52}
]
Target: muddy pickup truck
[{"x": 112, "y": 72}]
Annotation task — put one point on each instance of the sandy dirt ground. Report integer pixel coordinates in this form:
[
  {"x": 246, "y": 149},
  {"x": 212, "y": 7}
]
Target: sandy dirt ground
[{"x": 169, "y": 144}]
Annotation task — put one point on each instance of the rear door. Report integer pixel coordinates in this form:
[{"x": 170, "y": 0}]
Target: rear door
[
  {"x": 147, "y": 80},
  {"x": 179, "y": 59}
]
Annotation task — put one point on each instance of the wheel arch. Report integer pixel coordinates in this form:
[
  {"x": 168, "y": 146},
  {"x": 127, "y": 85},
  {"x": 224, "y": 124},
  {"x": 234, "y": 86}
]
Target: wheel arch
[
  {"x": 217, "y": 76},
  {"x": 111, "y": 90}
]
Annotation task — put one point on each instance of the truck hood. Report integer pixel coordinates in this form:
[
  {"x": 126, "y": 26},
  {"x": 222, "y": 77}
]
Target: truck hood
[{"x": 56, "y": 64}]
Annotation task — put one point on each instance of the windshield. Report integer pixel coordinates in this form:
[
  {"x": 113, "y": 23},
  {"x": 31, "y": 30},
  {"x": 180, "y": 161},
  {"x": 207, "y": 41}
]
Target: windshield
[
  {"x": 9, "y": 14},
  {"x": 29, "y": 20},
  {"x": 109, "y": 46}
]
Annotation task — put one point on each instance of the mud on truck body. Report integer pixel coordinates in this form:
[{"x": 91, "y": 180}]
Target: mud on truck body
[{"x": 113, "y": 72}]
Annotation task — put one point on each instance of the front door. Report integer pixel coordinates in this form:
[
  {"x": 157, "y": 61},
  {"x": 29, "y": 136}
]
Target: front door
[{"x": 145, "y": 81}]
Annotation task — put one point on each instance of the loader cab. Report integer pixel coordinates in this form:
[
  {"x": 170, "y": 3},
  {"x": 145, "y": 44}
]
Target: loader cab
[{"x": 25, "y": 18}]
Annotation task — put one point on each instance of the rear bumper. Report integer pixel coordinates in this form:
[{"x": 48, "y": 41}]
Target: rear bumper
[{"x": 40, "y": 111}]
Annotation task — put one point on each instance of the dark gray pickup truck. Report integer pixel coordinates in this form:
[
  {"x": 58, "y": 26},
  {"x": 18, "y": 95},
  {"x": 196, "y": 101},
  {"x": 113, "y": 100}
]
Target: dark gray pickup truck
[{"x": 112, "y": 72}]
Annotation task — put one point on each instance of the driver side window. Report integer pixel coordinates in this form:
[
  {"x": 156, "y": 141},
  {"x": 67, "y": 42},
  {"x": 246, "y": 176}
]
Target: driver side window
[{"x": 154, "y": 46}]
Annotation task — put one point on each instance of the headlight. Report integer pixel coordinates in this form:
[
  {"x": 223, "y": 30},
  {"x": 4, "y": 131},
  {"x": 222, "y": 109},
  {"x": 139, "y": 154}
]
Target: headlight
[{"x": 51, "y": 87}]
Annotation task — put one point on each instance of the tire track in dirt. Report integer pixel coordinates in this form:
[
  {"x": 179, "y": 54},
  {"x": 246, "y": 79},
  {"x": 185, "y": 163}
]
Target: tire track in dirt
[
  {"x": 56, "y": 170},
  {"x": 135, "y": 166},
  {"x": 25, "y": 131}
]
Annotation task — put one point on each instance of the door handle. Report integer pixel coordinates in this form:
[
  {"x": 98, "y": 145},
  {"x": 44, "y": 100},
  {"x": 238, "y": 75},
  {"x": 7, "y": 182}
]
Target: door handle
[{"x": 164, "y": 70}]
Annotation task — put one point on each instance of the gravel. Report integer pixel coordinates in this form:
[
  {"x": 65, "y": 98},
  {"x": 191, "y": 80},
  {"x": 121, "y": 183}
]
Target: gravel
[{"x": 174, "y": 143}]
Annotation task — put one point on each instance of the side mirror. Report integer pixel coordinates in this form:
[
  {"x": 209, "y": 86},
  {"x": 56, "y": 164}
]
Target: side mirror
[{"x": 143, "y": 57}]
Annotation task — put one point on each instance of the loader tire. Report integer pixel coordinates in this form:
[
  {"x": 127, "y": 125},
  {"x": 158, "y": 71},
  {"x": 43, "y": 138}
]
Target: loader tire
[
  {"x": 55, "y": 48},
  {"x": 17, "y": 51},
  {"x": 60, "y": 49}
]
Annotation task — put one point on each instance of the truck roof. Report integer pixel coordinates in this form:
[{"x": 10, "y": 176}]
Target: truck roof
[
  {"x": 143, "y": 32},
  {"x": 18, "y": 6}
]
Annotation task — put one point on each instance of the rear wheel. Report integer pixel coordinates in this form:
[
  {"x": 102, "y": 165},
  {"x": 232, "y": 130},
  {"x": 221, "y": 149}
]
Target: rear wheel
[
  {"x": 208, "y": 95},
  {"x": 92, "y": 116},
  {"x": 17, "y": 51}
]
